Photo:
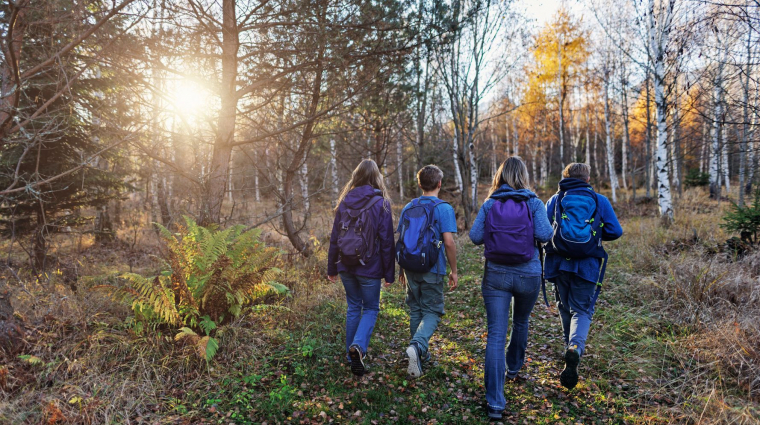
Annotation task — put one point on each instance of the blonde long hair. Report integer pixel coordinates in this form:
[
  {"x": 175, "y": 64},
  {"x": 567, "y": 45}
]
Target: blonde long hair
[
  {"x": 366, "y": 173},
  {"x": 513, "y": 172}
]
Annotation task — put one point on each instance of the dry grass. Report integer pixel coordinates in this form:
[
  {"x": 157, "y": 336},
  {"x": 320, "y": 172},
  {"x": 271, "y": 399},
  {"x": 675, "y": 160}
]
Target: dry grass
[{"x": 684, "y": 273}]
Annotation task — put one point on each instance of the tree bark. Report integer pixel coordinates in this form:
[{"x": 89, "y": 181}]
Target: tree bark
[
  {"x": 659, "y": 35},
  {"x": 627, "y": 148},
  {"x": 334, "y": 174},
  {"x": 214, "y": 186},
  {"x": 608, "y": 141}
]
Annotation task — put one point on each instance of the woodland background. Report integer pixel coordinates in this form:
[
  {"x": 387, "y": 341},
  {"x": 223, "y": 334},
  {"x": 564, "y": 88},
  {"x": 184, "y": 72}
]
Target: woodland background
[{"x": 168, "y": 169}]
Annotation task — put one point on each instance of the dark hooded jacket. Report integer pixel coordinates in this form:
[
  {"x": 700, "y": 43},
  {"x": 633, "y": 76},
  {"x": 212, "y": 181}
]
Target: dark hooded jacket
[{"x": 381, "y": 265}]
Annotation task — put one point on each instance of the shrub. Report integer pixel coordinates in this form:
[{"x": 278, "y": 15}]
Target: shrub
[
  {"x": 695, "y": 178},
  {"x": 744, "y": 220},
  {"x": 211, "y": 275}
]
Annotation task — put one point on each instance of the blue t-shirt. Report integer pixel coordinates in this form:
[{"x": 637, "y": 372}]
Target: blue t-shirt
[{"x": 445, "y": 221}]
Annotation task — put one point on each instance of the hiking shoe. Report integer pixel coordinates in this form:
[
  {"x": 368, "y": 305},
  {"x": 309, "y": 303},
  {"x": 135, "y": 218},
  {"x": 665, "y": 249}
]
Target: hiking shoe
[
  {"x": 494, "y": 414},
  {"x": 415, "y": 360},
  {"x": 357, "y": 360},
  {"x": 569, "y": 376},
  {"x": 517, "y": 379}
]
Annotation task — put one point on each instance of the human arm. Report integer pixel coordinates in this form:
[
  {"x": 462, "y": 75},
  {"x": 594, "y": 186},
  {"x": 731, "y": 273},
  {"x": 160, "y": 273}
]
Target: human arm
[
  {"x": 451, "y": 256},
  {"x": 612, "y": 229},
  {"x": 478, "y": 227},
  {"x": 542, "y": 228},
  {"x": 385, "y": 237},
  {"x": 332, "y": 252}
]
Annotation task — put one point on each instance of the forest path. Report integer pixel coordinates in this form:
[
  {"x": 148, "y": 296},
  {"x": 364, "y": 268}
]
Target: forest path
[{"x": 308, "y": 381}]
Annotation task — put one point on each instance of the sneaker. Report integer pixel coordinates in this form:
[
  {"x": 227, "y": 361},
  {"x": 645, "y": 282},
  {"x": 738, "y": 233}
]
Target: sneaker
[
  {"x": 415, "y": 360},
  {"x": 517, "y": 379},
  {"x": 569, "y": 377},
  {"x": 357, "y": 360},
  {"x": 494, "y": 414}
]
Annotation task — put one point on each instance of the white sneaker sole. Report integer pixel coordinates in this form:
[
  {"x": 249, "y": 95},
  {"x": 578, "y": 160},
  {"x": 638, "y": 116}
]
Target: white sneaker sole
[{"x": 414, "y": 370}]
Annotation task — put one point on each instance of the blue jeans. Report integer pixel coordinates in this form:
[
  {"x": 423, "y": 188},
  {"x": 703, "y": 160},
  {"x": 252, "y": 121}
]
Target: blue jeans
[
  {"x": 575, "y": 301},
  {"x": 424, "y": 296},
  {"x": 363, "y": 298},
  {"x": 499, "y": 286}
]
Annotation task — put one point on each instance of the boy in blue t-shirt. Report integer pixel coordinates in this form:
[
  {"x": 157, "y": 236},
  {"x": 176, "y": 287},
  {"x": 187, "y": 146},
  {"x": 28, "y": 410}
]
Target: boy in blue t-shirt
[{"x": 424, "y": 293}]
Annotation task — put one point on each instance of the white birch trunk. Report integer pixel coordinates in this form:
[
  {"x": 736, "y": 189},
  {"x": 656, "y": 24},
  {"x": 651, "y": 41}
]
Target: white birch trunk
[
  {"x": 724, "y": 158},
  {"x": 659, "y": 35},
  {"x": 715, "y": 186},
  {"x": 457, "y": 171},
  {"x": 304, "y": 180},
  {"x": 516, "y": 137},
  {"x": 588, "y": 141},
  {"x": 256, "y": 190},
  {"x": 608, "y": 142},
  {"x": 473, "y": 175}
]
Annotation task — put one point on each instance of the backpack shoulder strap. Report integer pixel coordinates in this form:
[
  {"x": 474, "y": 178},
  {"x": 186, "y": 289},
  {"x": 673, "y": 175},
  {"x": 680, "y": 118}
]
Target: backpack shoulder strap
[{"x": 371, "y": 202}]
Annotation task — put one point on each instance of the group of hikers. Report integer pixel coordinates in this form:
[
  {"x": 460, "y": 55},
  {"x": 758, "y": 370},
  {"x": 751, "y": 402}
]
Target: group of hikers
[{"x": 525, "y": 242}]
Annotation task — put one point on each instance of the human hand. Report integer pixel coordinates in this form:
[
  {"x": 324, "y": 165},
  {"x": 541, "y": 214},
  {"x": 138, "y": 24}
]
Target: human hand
[
  {"x": 402, "y": 277},
  {"x": 387, "y": 284},
  {"x": 332, "y": 278},
  {"x": 453, "y": 281}
]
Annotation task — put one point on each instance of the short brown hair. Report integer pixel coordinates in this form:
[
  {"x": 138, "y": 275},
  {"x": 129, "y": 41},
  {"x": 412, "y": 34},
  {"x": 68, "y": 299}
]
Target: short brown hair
[
  {"x": 577, "y": 170},
  {"x": 428, "y": 177}
]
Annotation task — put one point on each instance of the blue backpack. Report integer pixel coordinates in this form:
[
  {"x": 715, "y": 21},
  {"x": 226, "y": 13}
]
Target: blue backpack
[
  {"x": 419, "y": 243},
  {"x": 577, "y": 225}
]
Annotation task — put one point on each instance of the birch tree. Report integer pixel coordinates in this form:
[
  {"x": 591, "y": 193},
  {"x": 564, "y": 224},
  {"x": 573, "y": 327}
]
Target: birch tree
[{"x": 660, "y": 20}]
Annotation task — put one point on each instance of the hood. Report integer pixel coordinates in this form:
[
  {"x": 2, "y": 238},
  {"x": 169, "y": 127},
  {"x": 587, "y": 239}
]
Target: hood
[
  {"x": 358, "y": 197},
  {"x": 571, "y": 184},
  {"x": 506, "y": 191}
]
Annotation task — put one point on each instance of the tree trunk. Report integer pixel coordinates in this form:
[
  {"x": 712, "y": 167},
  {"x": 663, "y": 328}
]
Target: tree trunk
[
  {"x": 743, "y": 148},
  {"x": 608, "y": 141},
  {"x": 214, "y": 186},
  {"x": 10, "y": 84},
  {"x": 516, "y": 137},
  {"x": 400, "y": 165},
  {"x": 725, "y": 163},
  {"x": 39, "y": 242},
  {"x": 304, "y": 180},
  {"x": 648, "y": 140},
  {"x": 561, "y": 105},
  {"x": 163, "y": 204},
  {"x": 717, "y": 126},
  {"x": 597, "y": 169},
  {"x": 658, "y": 44},
  {"x": 588, "y": 141},
  {"x": 544, "y": 157},
  {"x": 334, "y": 174},
  {"x": 300, "y": 155},
  {"x": 627, "y": 148},
  {"x": 457, "y": 170}
]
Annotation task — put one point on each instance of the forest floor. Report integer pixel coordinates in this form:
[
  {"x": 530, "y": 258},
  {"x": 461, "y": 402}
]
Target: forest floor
[
  {"x": 671, "y": 342},
  {"x": 628, "y": 375},
  {"x": 305, "y": 380}
]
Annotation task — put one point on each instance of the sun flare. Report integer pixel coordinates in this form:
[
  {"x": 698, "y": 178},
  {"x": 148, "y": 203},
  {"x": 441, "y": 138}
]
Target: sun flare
[{"x": 190, "y": 99}]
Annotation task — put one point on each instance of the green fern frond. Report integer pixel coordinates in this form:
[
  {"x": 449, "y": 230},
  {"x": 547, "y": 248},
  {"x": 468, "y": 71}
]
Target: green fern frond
[{"x": 207, "y": 347}]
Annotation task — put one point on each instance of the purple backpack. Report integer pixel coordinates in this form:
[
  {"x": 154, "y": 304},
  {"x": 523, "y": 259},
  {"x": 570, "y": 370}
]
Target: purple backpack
[
  {"x": 509, "y": 232},
  {"x": 356, "y": 240}
]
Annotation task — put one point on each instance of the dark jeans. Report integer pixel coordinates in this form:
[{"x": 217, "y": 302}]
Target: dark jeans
[
  {"x": 575, "y": 301},
  {"x": 363, "y": 298},
  {"x": 424, "y": 296},
  {"x": 499, "y": 286}
]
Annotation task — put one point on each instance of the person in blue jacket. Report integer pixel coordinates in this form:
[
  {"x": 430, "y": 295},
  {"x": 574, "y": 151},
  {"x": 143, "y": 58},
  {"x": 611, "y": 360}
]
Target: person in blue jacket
[
  {"x": 575, "y": 279},
  {"x": 504, "y": 282},
  {"x": 362, "y": 281}
]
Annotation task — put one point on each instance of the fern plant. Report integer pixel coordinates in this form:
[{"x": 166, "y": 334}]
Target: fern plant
[{"x": 210, "y": 276}]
